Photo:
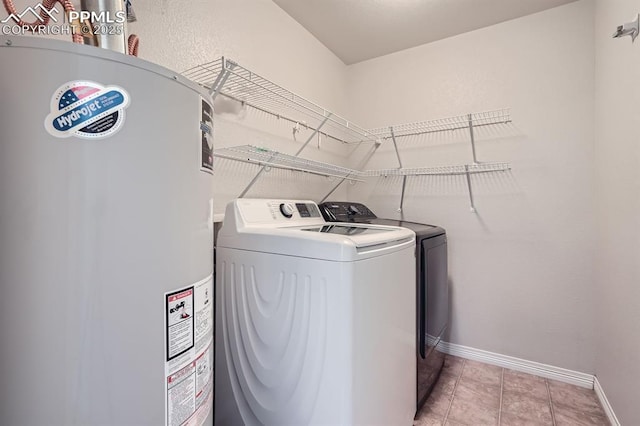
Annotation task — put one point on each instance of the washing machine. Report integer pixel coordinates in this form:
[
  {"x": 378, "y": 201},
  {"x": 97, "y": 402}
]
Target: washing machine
[
  {"x": 432, "y": 288},
  {"x": 315, "y": 322}
]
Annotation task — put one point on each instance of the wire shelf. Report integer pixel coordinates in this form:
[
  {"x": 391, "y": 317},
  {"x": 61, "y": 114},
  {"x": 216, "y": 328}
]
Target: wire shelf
[
  {"x": 442, "y": 170},
  {"x": 228, "y": 78},
  {"x": 269, "y": 158},
  {"x": 477, "y": 119}
]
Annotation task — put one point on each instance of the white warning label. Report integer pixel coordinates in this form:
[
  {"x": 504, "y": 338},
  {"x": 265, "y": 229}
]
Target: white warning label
[
  {"x": 189, "y": 354},
  {"x": 180, "y": 335},
  {"x": 181, "y": 388}
]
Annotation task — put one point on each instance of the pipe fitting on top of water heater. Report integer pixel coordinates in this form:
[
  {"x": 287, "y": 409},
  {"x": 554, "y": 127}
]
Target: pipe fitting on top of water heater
[{"x": 111, "y": 34}]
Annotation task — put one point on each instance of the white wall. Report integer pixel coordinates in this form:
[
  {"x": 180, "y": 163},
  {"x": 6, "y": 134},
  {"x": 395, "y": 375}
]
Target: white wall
[
  {"x": 521, "y": 269},
  {"x": 618, "y": 192},
  {"x": 263, "y": 38},
  {"x": 255, "y": 33}
]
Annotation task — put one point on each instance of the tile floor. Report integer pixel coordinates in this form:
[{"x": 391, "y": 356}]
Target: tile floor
[{"x": 471, "y": 393}]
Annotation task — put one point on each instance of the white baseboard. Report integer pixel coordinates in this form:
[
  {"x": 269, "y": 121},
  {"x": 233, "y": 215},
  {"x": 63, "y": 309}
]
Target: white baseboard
[
  {"x": 537, "y": 369},
  {"x": 605, "y": 403}
]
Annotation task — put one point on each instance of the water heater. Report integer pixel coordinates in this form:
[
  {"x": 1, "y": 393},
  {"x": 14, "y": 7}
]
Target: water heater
[{"x": 106, "y": 239}]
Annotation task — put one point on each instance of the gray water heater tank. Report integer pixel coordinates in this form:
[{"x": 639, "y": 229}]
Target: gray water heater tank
[{"x": 105, "y": 240}]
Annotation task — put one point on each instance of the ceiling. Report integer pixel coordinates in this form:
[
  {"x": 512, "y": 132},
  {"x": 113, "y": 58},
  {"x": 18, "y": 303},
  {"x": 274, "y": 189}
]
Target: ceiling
[{"x": 357, "y": 30}]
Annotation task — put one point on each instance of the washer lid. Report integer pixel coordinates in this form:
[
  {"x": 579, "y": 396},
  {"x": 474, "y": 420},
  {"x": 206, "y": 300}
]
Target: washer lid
[{"x": 299, "y": 230}]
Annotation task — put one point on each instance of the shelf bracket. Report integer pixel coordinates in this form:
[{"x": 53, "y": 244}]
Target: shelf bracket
[
  {"x": 334, "y": 189},
  {"x": 473, "y": 140},
  {"x": 315, "y": 132},
  {"x": 264, "y": 168},
  {"x": 468, "y": 175},
  {"x": 404, "y": 178},
  {"x": 395, "y": 146},
  {"x": 221, "y": 80},
  {"x": 256, "y": 177},
  {"x": 401, "y": 208},
  {"x": 363, "y": 163}
]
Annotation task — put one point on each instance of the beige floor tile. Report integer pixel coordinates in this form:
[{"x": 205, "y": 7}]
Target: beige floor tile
[
  {"x": 516, "y": 419},
  {"x": 525, "y": 399},
  {"x": 471, "y": 389},
  {"x": 566, "y": 416},
  {"x": 428, "y": 418},
  {"x": 440, "y": 398},
  {"x": 515, "y": 381},
  {"x": 575, "y": 398},
  {"x": 475, "y": 403},
  {"x": 522, "y": 406},
  {"x": 484, "y": 373},
  {"x": 452, "y": 365}
]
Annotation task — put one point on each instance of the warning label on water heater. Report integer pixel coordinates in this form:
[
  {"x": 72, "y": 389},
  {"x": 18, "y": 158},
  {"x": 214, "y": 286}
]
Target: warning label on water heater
[
  {"x": 189, "y": 354},
  {"x": 180, "y": 337},
  {"x": 206, "y": 137}
]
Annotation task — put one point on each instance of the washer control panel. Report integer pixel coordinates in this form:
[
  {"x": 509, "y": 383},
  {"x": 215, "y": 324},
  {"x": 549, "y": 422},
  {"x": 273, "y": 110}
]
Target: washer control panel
[
  {"x": 308, "y": 210},
  {"x": 260, "y": 211},
  {"x": 303, "y": 210},
  {"x": 287, "y": 210}
]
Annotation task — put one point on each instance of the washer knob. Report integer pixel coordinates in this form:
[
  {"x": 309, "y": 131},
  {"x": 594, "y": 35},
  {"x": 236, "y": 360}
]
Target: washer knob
[{"x": 287, "y": 210}]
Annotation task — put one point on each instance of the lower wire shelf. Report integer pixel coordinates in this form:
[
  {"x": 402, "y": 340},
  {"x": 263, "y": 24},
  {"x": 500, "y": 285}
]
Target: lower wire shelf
[
  {"x": 274, "y": 159},
  {"x": 268, "y": 158}
]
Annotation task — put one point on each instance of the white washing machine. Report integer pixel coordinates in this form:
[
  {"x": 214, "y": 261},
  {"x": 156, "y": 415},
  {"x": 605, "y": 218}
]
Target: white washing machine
[{"x": 315, "y": 322}]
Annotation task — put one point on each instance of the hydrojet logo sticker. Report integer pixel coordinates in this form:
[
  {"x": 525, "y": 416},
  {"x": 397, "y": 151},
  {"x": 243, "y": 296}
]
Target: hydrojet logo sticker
[{"x": 87, "y": 110}]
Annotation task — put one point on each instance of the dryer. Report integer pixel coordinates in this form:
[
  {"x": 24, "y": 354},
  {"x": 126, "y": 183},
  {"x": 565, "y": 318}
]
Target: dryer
[
  {"x": 432, "y": 287},
  {"x": 315, "y": 322}
]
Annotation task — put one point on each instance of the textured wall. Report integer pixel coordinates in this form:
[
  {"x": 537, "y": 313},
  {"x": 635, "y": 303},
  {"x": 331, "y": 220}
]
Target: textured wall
[
  {"x": 260, "y": 36},
  {"x": 255, "y": 33},
  {"x": 618, "y": 194},
  {"x": 521, "y": 269}
]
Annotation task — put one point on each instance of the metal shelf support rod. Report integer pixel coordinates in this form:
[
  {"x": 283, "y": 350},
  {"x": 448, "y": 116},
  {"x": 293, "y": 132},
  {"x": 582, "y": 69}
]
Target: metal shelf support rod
[
  {"x": 256, "y": 177},
  {"x": 473, "y": 207},
  {"x": 262, "y": 170},
  {"x": 395, "y": 146},
  {"x": 473, "y": 141},
  {"x": 221, "y": 80},
  {"x": 312, "y": 135},
  {"x": 404, "y": 178},
  {"x": 361, "y": 166},
  {"x": 404, "y": 186},
  {"x": 333, "y": 189}
]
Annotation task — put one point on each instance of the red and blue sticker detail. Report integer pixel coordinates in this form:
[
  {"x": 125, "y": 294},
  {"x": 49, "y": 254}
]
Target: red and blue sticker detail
[{"x": 86, "y": 109}]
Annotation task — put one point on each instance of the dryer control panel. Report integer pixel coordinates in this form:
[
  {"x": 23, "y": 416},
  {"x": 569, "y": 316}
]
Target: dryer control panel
[{"x": 345, "y": 211}]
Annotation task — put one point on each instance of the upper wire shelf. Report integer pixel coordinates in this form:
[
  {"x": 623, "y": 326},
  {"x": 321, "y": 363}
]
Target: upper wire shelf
[
  {"x": 442, "y": 170},
  {"x": 274, "y": 159},
  {"x": 228, "y": 78},
  {"x": 476, "y": 119}
]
